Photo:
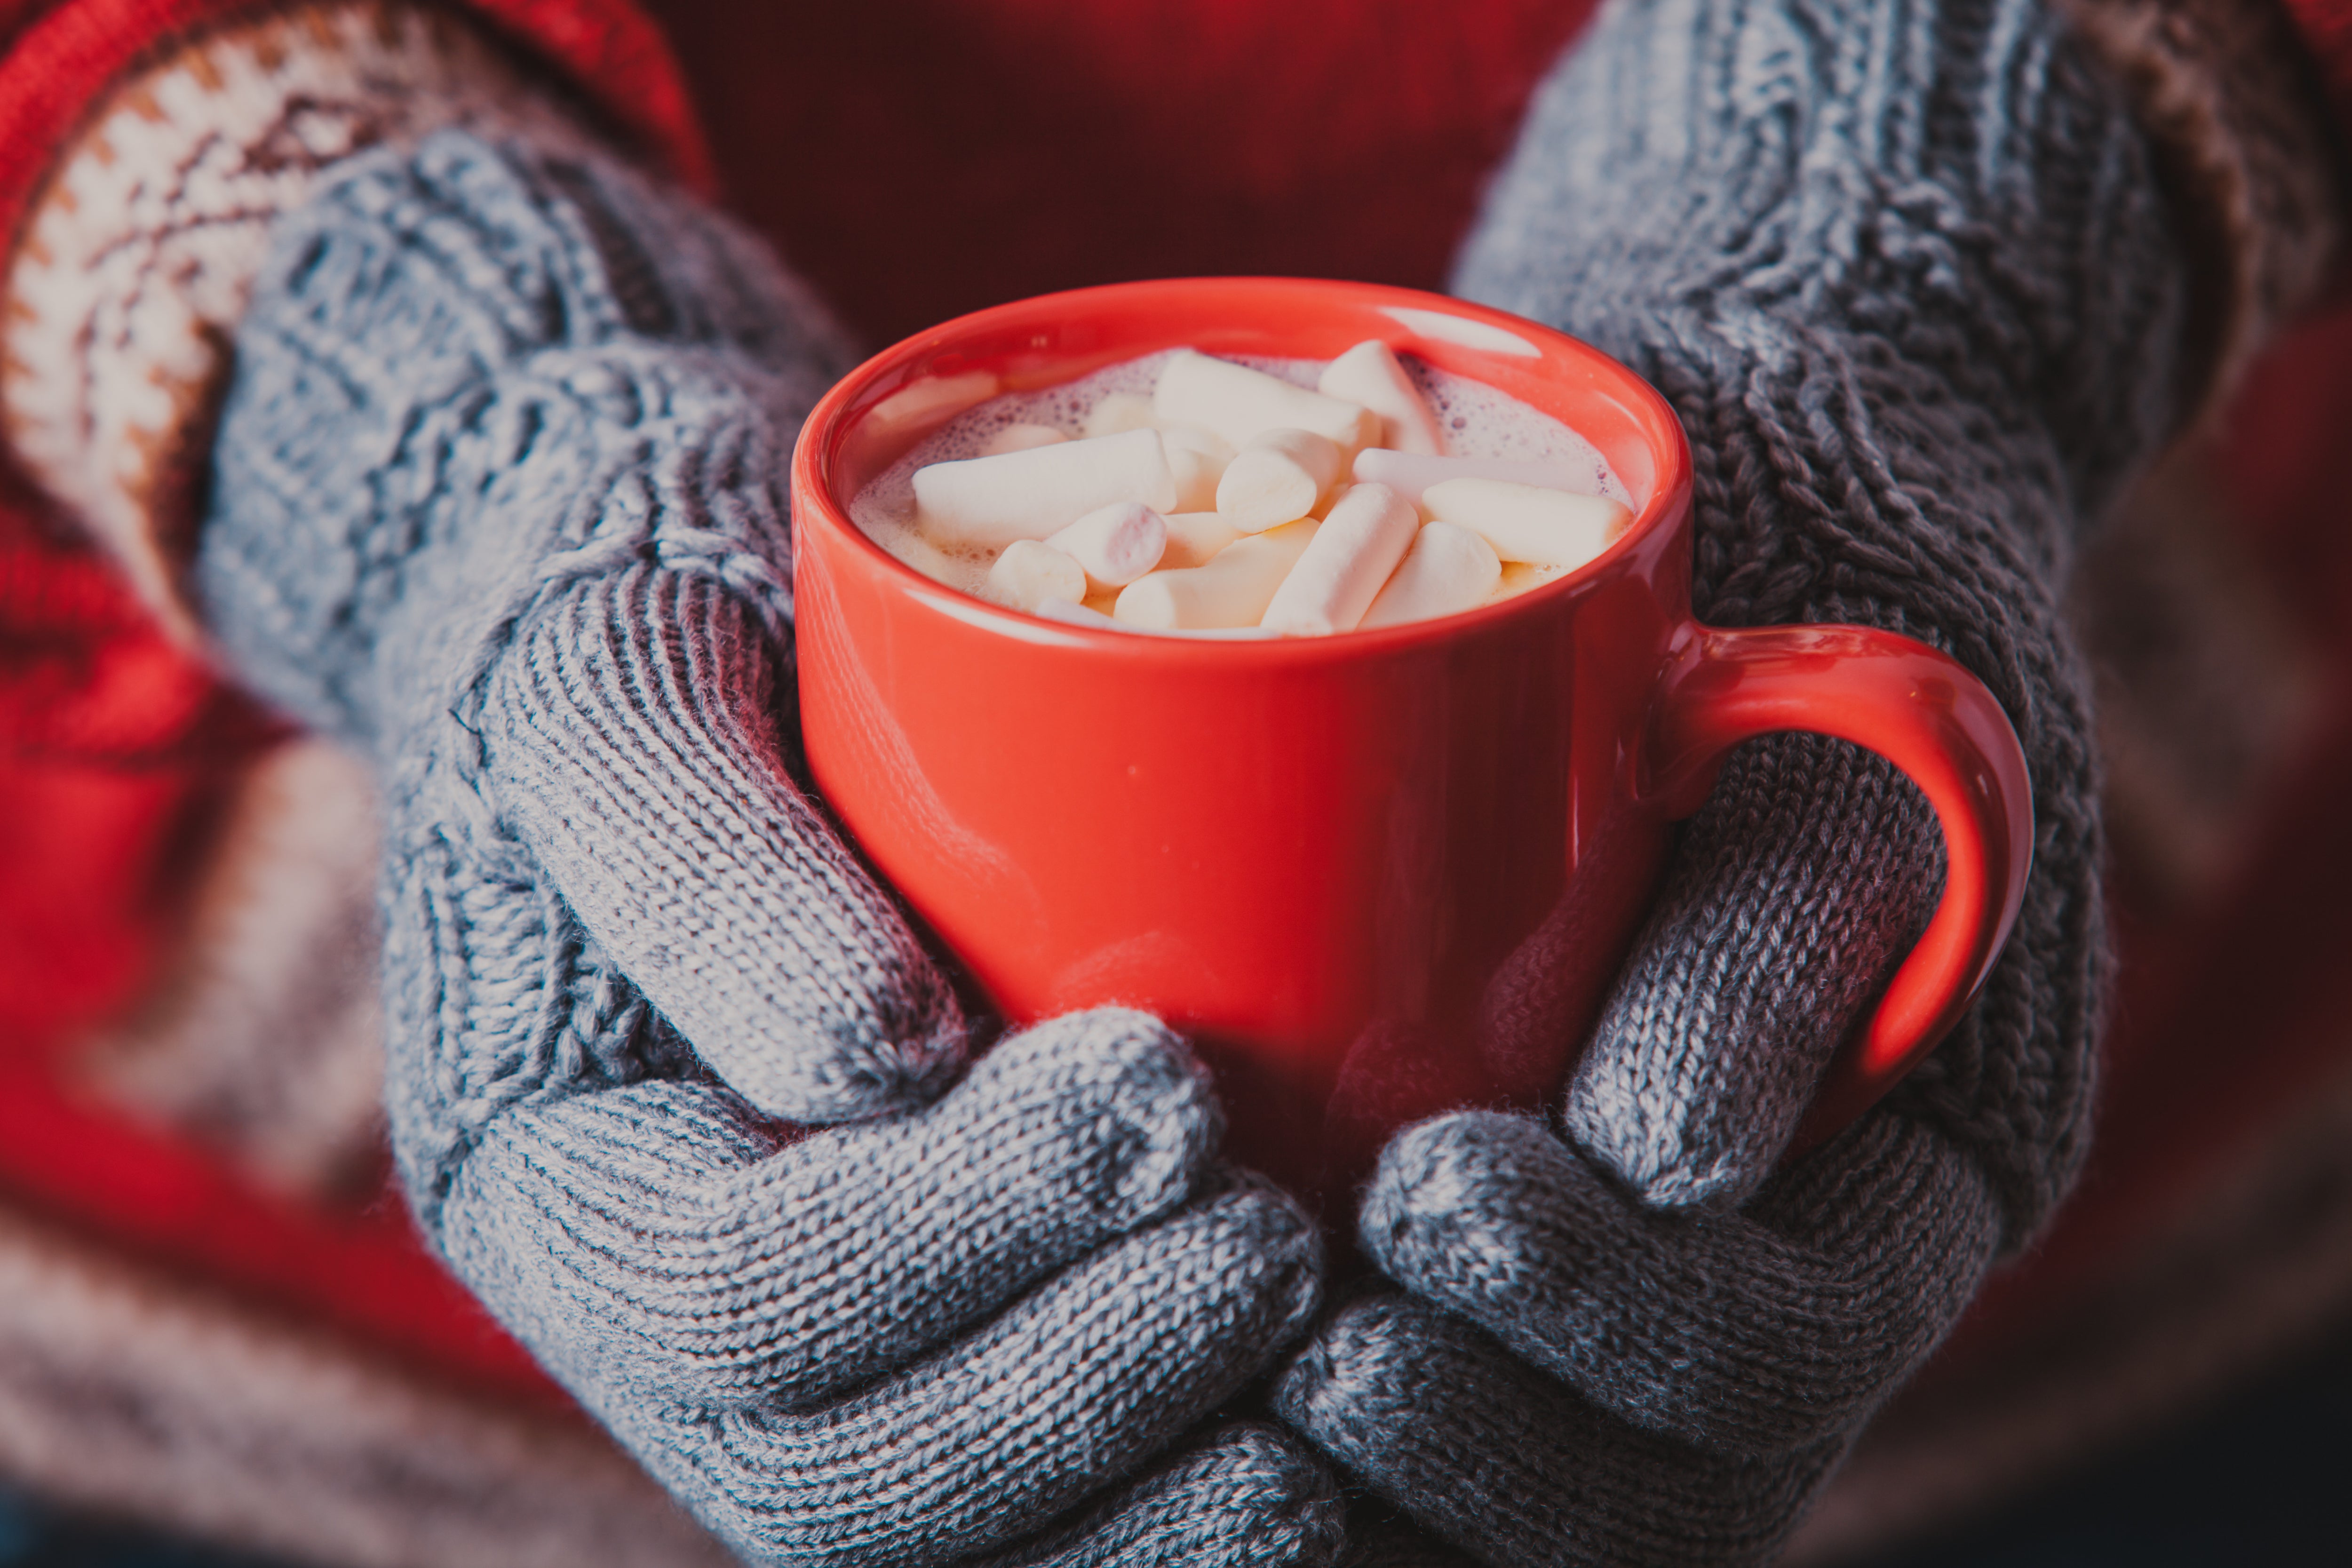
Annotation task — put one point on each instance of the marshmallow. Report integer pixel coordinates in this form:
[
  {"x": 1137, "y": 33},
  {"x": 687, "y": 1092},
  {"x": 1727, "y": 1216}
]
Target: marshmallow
[
  {"x": 1029, "y": 574},
  {"x": 1094, "y": 619},
  {"x": 1233, "y": 590},
  {"x": 1370, "y": 374},
  {"x": 1447, "y": 570},
  {"x": 1197, "y": 459},
  {"x": 1550, "y": 528},
  {"x": 1021, "y": 438},
  {"x": 1343, "y": 567},
  {"x": 1116, "y": 543},
  {"x": 1207, "y": 633},
  {"x": 1119, "y": 412},
  {"x": 1194, "y": 536},
  {"x": 1520, "y": 577},
  {"x": 989, "y": 502},
  {"x": 1239, "y": 403},
  {"x": 1279, "y": 477},
  {"x": 1412, "y": 475},
  {"x": 1073, "y": 615},
  {"x": 919, "y": 407}
]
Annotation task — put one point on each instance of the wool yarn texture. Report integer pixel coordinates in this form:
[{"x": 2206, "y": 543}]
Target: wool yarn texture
[
  {"x": 498, "y": 501},
  {"x": 132, "y": 268},
  {"x": 1904, "y": 270}
]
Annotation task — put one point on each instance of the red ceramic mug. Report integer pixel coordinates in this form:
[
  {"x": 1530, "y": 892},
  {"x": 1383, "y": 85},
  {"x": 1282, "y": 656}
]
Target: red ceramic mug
[{"x": 1374, "y": 875}]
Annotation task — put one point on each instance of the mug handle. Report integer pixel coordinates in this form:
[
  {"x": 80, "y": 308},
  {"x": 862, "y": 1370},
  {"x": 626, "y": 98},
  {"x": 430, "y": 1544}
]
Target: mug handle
[{"x": 1921, "y": 710}]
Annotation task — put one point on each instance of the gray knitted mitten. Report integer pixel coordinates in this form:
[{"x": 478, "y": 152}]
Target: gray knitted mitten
[
  {"x": 499, "y": 498},
  {"x": 1903, "y": 270}
]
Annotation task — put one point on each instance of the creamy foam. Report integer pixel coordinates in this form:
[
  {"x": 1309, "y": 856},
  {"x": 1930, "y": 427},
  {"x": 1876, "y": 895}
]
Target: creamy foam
[{"x": 1478, "y": 420}]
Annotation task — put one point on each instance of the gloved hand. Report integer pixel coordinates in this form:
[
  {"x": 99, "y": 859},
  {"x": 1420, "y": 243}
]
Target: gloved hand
[
  {"x": 499, "y": 498},
  {"x": 1903, "y": 270}
]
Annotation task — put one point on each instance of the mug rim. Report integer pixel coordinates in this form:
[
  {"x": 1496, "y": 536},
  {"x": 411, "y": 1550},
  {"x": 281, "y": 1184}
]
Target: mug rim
[{"x": 827, "y": 425}]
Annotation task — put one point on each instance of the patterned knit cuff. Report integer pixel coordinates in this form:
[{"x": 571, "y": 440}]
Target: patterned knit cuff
[
  {"x": 132, "y": 266},
  {"x": 2243, "y": 142}
]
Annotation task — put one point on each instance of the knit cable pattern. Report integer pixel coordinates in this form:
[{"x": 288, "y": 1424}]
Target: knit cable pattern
[
  {"x": 130, "y": 267},
  {"x": 1903, "y": 271},
  {"x": 672, "y": 1084}
]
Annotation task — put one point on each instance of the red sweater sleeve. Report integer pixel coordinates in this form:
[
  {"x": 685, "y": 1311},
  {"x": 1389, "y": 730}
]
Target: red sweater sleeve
[{"x": 56, "y": 55}]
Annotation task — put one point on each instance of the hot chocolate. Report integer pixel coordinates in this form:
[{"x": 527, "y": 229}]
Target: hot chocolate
[{"x": 1187, "y": 495}]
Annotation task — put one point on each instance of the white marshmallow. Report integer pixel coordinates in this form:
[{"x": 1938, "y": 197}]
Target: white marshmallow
[
  {"x": 1281, "y": 476},
  {"x": 1341, "y": 571},
  {"x": 1520, "y": 577},
  {"x": 1209, "y": 634},
  {"x": 1073, "y": 615},
  {"x": 1239, "y": 403},
  {"x": 1550, "y": 528},
  {"x": 1194, "y": 536},
  {"x": 1447, "y": 570},
  {"x": 1370, "y": 374},
  {"x": 1021, "y": 438},
  {"x": 989, "y": 502},
  {"x": 1028, "y": 573},
  {"x": 1116, "y": 543},
  {"x": 1118, "y": 412},
  {"x": 919, "y": 407},
  {"x": 1086, "y": 616},
  {"x": 1197, "y": 459},
  {"x": 1413, "y": 474},
  {"x": 1232, "y": 590}
]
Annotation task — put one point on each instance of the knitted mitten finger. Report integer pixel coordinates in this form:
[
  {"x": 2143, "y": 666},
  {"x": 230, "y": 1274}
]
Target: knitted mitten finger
[
  {"x": 915, "y": 1340},
  {"x": 1576, "y": 1377},
  {"x": 1241, "y": 1493},
  {"x": 709, "y": 1256},
  {"x": 1061, "y": 1398},
  {"x": 1750, "y": 1333},
  {"x": 1519, "y": 1470},
  {"x": 499, "y": 498}
]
